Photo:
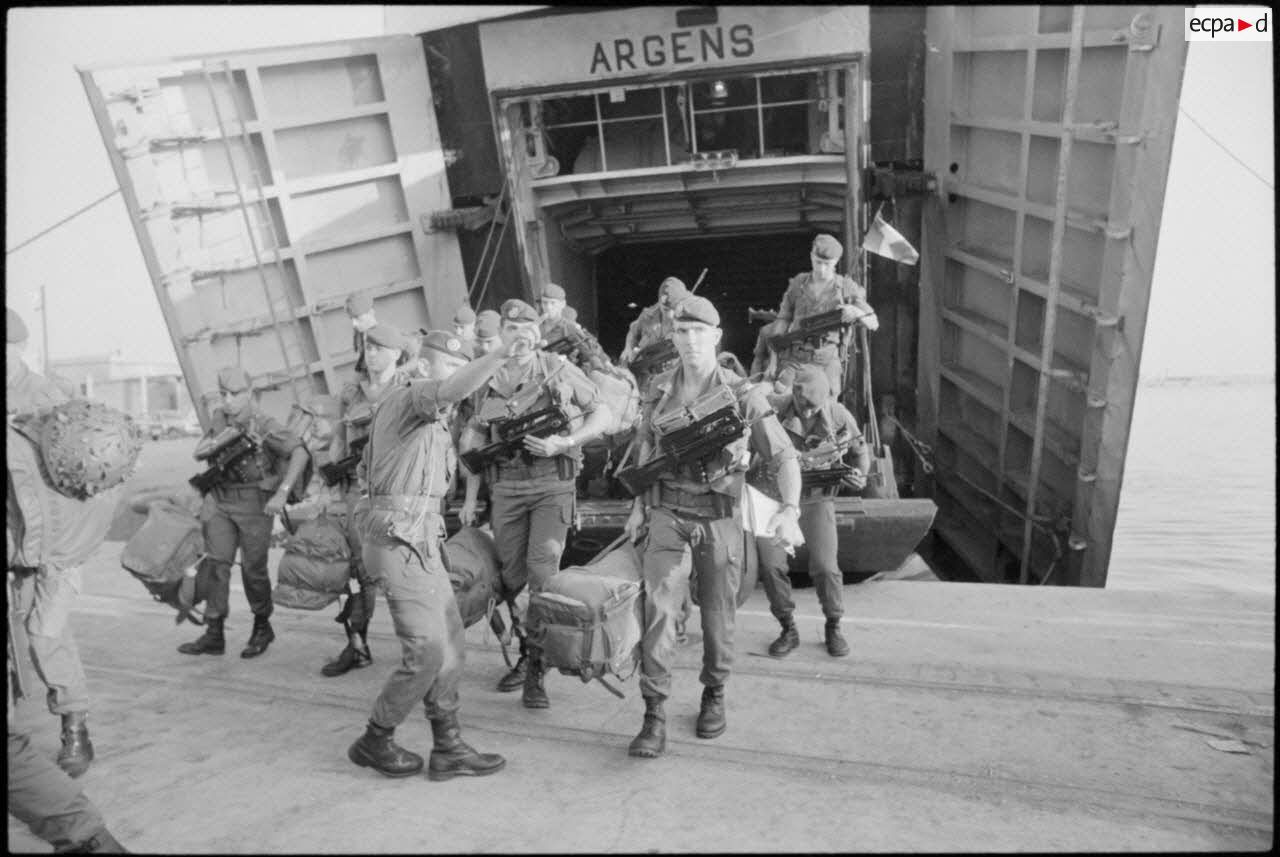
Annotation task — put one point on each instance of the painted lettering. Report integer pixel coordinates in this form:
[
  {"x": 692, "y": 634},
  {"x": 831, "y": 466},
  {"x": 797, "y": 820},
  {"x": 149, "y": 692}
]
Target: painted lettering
[
  {"x": 623, "y": 56},
  {"x": 658, "y": 56},
  {"x": 740, "y": 37},
  {"x": 709, "y": 45},
  {"x": 599, "y": 59},
  {"x": 680, "y": 47}
]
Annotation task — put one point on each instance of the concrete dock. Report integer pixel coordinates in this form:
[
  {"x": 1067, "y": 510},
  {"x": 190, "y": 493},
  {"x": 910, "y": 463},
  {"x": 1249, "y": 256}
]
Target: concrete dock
[{"x": 969, "y": 717}]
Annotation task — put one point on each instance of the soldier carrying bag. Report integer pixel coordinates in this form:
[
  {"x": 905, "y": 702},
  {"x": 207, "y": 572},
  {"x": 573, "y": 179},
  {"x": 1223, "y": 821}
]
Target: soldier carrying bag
[{"x": 588, "y": 623}]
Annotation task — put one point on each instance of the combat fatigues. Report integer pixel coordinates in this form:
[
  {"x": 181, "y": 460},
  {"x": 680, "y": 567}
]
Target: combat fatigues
[
  {"x": 232, "y": 515},
  {"x": 407, "y": 461},
  {"x": 803, "y": 299},
  {"x": 695, "y": 533},
  {"x": 532, "y": 498},
  {"x": 50, "y": 535},
  {"x": 831, "y": 423}
]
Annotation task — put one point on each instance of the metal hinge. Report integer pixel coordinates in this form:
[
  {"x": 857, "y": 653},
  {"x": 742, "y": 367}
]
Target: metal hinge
[{"x": 899, "y": 178}]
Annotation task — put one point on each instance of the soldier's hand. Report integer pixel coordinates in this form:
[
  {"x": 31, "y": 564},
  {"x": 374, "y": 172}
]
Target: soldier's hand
[
  {"x": 625, "y": 357},
  {"x": 635, "y": 524},
  {"x": 857, "y": 479},
  {"x": 547, "y": 447},
  {"x": 276, "y": 504},
  {"x": 469, "y": 517}
]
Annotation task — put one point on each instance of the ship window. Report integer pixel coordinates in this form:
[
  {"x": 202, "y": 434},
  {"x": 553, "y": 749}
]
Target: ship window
[{"x": 747, "y": 117}]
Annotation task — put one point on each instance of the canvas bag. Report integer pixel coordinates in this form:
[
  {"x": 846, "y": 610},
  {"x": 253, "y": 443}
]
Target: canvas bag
[
  {"x": 471, "y": 559},
  {"x": 315, "y": 567},
  {"x": 162, "y": 553}
]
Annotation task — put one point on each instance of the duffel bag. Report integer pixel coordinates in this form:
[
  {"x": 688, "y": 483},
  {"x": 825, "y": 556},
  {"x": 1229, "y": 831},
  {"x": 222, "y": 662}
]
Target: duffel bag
[
  {"x": 588, "y": 625},
  {"x": 315, "y": 567},
  {"x": 471, "y": 558},
  {"x": 165, "y": 553}
]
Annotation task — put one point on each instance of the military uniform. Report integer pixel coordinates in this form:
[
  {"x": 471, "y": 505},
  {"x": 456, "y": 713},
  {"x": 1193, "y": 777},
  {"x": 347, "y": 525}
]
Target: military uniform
[
  {"x": 695, "y": 534},
  {"x": 233, "y": 516},
  {"x": 830, "y": 424},
  {"x": 654, "y": 325},
  {"x": 50, "y": 535},
  {"x": 804, "y": 298},
  {"x": 408, "y": 460},
  {"x": 532, "y": 501}
]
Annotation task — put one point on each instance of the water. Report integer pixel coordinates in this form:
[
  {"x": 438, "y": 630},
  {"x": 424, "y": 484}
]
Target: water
[{"x": 1198, "y": 502}]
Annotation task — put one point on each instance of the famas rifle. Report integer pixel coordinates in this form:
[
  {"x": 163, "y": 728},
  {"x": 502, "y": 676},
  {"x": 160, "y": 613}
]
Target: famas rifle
[
  {"x": 696, "y": 433},
  {"x": 653, "y": 358},
  {"x": 222, "y": 452},
  {"x": 511, "y": 434}
]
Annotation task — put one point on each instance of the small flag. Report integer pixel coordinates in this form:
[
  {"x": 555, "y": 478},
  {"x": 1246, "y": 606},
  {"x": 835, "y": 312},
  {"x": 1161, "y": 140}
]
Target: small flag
[{"x": 883, "y": 240}]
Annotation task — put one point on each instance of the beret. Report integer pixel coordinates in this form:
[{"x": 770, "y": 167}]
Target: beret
[
  {"x": 387, "y": 336},
  {"x": 827, "y": 247},
  {"x": 487, "y": 324},
  {"x": 518, "y": 310},
  {"x": 551, "y": 290},
  {"x": 672, "y": 291},
  {"x": 464, "y": 315},
  {"x": 14, "y": 329},
  {"x": 359, "y": 304},
  {"x": 695, "y": 308},
  {"x": 447, "y": 343},
  {"x": 233, "y": 379}
]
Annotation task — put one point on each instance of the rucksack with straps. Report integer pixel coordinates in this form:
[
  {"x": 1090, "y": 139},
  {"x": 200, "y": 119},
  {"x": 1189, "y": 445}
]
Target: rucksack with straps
[
  {"x": 471, "y": 559},
  {"x": 165, "y": 555},
  {"x": 588, "y": 620}
]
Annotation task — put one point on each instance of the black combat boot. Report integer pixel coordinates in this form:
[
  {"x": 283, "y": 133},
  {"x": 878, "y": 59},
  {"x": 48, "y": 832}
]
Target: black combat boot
[
  {"x": 787, "y": 641},
  {"x": 514, "y": 680},
  {"x": 101, "y": 842},
  {"x": 535, "y": 695},
  {"x": 837, "y": 646},
  {"x": 652, "y": 740},
  {"x": 376, "y": 749},
  {"x": 211, "y": 642},
  {"x": 452, "y": 757},
  {"x": 77, "y": 749},
  {"x": 355, "y": 656},
  {"x": 711, "y": 718},
  {"x": 260, "y": 638}
]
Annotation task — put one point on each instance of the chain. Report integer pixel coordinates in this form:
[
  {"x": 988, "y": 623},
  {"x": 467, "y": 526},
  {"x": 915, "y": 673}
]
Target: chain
[{"x": 923, "y": 451}]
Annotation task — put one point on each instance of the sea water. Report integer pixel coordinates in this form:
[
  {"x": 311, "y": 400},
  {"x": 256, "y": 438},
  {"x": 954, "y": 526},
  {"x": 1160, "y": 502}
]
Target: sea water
[{"x": 1198, "y": 500}]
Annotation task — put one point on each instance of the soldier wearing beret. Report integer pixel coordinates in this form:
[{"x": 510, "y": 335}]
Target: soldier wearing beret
[
  {"x": 408, "y": 460},
  {"x": 693, "y": 521},
  {"x": 239, "y": 513},
  {"x": 654, "y": 324},
  {"x": 816, "y": 291},
  {"x": 488, "y": 323},
  {"x": 825, "y": 434},
  {"x": 532, "y": 491},
  {"x": 587, "y": 354},
  {"x": 385, "y": 358},
  {"x": 48, "y": 536},
  {"x": 360, "y": 311},
  {"x": 464, "y": 323}
]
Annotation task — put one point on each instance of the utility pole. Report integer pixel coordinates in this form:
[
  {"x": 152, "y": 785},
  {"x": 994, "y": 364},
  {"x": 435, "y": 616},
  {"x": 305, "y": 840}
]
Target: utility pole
[{"x": 44, "y": 330}]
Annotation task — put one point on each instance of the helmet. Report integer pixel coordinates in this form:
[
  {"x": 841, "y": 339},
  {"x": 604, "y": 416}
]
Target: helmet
[{"x": 87, "y": 447}]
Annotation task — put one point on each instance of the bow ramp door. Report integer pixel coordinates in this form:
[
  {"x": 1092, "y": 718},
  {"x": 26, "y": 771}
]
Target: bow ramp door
[
  {"x": 1050, "y": 130},
  {"x": 267, "y": 186}
]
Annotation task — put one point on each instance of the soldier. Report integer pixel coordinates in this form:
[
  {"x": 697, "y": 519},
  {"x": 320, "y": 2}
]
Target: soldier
[
  {"x": 586, "y": 352},
  {"x": 692, "y": 518},
  {"x": 360, "y": 309},
  {"x": 384, "y": 355},
  {"x": 655, "y": 322},
  {"x": 464, "y": 323},
  {"x": 816, "y": 291},
  {"x": 532, "y": 492},
  {"x": 239, "y": 513},
  {"x": 47, "y": 577},
  {"x": 488, "y": 323},
  {"x": 825, "y": 433},
  {"x": 408, "y": 458}
]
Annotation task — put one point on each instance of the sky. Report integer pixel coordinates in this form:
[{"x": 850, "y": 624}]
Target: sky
[{"x": 1212, "y": 308}]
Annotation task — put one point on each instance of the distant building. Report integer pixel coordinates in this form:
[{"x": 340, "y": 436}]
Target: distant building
[{"x": 138, "y": 388}]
